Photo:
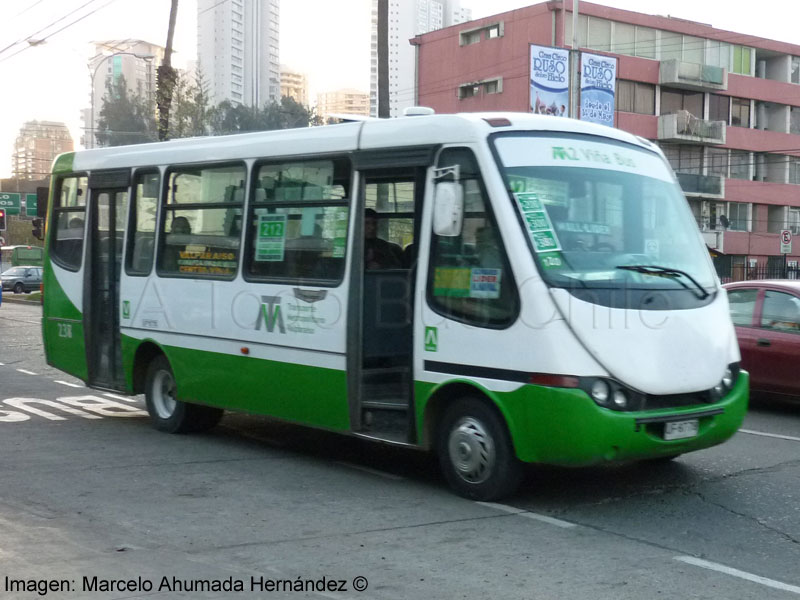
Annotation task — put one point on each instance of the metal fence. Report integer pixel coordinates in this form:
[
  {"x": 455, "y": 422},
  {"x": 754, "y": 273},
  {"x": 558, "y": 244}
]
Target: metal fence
[{"x": 729, "y": 273}]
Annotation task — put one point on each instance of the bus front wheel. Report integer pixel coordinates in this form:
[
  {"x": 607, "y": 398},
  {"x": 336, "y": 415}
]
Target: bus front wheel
[
  {"x": 475, "y": 451},
  {"x": 167, "y": 412}
]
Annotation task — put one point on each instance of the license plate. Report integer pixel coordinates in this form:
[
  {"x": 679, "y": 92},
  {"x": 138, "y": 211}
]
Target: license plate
[{"x": 677, "y": 430}]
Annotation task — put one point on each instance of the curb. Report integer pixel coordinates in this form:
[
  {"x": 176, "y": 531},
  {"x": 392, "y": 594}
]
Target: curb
[{"x": 12, "y": 299}]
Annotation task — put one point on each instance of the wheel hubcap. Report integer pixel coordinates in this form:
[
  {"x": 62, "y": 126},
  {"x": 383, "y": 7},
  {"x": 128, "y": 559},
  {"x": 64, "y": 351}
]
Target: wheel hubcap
[
  {"x": 164, "y": 394},
  {"x": 471, "y": 450}
]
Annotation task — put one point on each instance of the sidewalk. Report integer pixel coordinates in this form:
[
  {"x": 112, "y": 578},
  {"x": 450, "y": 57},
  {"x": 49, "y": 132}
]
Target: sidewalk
[{"x": 20, "y": 298}]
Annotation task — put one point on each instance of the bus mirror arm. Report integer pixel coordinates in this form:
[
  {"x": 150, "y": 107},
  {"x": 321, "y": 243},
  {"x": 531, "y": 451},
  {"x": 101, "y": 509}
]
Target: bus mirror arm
[{"x": 448, "y": 208}]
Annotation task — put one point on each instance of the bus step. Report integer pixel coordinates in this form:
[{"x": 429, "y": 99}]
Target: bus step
[
  {"x": 385, "y": 372},
  {"x": 395, "y": 404},
  {"x": 390, "y": 424}
]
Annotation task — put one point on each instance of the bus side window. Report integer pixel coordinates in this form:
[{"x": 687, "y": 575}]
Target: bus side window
[
  {"x": 469, "y": 277},
  {"x": 298, "y": 221},
  {"x": 66, "y": 241},
  {"x": 141, "y": 240}
]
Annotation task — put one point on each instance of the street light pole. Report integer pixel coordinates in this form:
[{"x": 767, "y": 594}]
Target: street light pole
[{"x": 147, "y": 57}]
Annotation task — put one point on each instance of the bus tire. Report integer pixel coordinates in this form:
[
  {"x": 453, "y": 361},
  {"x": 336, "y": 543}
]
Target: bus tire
[
  {"x": 169, "y": 414},
  {"x": 475, "y": 451}
]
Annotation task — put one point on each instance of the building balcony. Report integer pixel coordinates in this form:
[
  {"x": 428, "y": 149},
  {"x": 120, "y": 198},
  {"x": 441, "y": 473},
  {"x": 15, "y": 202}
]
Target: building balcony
[
  {"x": 692, "y": 76},
  {"x": 714, "y": 240},
  {"x": 702, "y": 186},
  {"x": 685, "y": 127}
]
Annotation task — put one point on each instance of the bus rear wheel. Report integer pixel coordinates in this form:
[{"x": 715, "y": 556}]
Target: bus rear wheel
[
  {"x": 475, "y": 451},
  {"x": 167, "y": 412}
]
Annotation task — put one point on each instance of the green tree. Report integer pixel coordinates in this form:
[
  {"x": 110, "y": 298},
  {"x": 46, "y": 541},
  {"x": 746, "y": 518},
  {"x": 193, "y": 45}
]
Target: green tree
[
  {"x": 225, "y": 118},
  {"x": 189, "y": 113},
  {"x": 125, "y": 118}
]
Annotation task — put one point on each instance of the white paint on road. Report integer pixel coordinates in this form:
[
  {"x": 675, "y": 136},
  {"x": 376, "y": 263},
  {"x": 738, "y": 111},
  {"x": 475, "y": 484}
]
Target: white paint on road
[
  {"x": 529, "y": 515},
  {"x": 699, "y": 562},
  {"x": 27, "y": 372},
  {"x": 75, "y": 385},
  {"x": 771, "y": 435},
  {"x": 118, "y": 397}
]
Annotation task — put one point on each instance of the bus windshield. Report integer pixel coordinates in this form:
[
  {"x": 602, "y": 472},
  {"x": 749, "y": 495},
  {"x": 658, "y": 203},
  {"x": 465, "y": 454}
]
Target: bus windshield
[{"x": 603, "y": 215}]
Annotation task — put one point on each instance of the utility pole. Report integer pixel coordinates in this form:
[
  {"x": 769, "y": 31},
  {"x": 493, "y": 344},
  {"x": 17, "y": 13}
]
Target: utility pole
[
  {"x": 574, "y": 64},
  {"x": 166, "y": 78},
  {"x": 383, "y": 59}
]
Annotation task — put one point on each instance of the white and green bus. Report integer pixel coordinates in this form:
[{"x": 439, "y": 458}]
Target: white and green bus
[{"x": 544, "y": 295}]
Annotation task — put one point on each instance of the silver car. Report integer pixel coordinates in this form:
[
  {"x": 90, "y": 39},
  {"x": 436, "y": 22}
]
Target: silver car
[{"x": 22, "y": 279}]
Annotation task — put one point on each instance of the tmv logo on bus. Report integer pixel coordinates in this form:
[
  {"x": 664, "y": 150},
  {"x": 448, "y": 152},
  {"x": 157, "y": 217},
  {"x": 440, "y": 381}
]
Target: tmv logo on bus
[{"x": 269, "y": 313}]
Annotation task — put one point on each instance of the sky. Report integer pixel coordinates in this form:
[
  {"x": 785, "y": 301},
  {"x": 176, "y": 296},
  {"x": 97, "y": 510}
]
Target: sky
[{"x": 328, "y": 39}]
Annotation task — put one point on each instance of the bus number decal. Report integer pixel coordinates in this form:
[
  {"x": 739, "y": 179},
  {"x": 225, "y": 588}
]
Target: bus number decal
[{"x": 64, "y": 330}]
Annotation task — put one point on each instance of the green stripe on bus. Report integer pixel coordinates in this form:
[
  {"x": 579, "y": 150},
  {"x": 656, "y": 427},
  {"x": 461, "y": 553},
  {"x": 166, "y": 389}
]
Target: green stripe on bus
[
  {"x": 565, "y": 427},
  {"x": 64, "y": 162},
  {"x": 314, "y": 396}
]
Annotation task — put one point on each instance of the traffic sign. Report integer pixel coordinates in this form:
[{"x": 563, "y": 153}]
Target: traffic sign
[
  {"x": 10, "y": 202},
  {"x": 786, "y": 241},
  {"x": 31, "y": 205}
]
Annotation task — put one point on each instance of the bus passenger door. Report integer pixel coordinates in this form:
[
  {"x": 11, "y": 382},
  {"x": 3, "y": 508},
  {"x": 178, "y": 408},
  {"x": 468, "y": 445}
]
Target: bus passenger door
[
  {"x": 382, "y": 391},
  {"x": 106, "y": 230}
]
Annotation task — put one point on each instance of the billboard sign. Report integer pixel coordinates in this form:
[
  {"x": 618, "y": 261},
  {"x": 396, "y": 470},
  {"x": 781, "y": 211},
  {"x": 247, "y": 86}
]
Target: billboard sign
[
  {"x": 549, "y": 81},
  {"x": 598, "y": 85}
]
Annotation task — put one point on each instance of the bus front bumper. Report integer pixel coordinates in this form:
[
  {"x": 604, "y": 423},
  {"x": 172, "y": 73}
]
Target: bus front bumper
[{"x": 565, "y": 427}]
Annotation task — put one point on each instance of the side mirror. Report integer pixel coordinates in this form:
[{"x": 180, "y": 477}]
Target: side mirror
[{"x": 448, "y": 209}]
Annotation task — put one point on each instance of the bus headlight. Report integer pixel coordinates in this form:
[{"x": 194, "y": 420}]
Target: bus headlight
[
  {"x": 620, "y": 399},
  {"x": 727, "y": 379},
  {"x": 600, "y": 392}
]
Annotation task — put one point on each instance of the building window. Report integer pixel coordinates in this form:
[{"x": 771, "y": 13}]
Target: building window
[
  {"x": 740, "y": 164},
  {"x": 684, "y": 158},
  {"x": 636, "y": 97},
  {"x": 741, "y": 60},
  {"x": 673, "y": 101},
  {"x": 645, "y": 42},
  {"x": 738, "y": 216},
  {"x": 719, "y": 108},
  {"x": 795, "y": 77},
  {"x": 473, "y": 36},
  {"x": 794, "y": 220},
  {"x": 740, "y": 112},
  {"x": 717, "y": 161},
  {"x": 599, "y": 34},
  {"x": 487, "y": 86},
  {"x": 794, "y": 170}
]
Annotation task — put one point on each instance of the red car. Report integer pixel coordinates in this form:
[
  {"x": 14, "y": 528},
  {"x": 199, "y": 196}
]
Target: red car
[{"x": 766, "y": 315}]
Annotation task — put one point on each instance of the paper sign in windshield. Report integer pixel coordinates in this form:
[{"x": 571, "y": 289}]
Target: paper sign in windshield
[{"x": 537, "y": 222}]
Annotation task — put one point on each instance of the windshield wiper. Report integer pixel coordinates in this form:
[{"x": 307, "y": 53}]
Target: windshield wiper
[{"x": 675, "y": 274}]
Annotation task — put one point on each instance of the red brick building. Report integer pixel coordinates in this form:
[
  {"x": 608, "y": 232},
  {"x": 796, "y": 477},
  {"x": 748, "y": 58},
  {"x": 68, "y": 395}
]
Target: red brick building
[{"x": 724, "y": 106}]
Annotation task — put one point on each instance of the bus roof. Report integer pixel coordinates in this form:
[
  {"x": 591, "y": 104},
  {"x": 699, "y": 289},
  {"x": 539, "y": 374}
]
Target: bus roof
[{"x": 345, "y": 137}]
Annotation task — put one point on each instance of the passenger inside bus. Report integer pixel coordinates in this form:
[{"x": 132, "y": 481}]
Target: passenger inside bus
[
  {"x": 378, "y": 253},
  {"x": 173, "y": 247}
]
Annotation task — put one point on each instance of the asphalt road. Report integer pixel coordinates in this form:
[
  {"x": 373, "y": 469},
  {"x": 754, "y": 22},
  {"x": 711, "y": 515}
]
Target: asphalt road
[{"x": 92, "y": 498}]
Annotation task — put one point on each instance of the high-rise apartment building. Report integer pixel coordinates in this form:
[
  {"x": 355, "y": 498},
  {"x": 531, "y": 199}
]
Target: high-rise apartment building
[
  {"x": 723, "y": 106},
  {"x": 346, "y": 101},
  {"x": 37, "y": 144},
  {"x": 294, "y": 84},
  {"x": 135, "y": 60},
  {"x": 408, "y": 18},
  {"x": 237, "y": 50}
]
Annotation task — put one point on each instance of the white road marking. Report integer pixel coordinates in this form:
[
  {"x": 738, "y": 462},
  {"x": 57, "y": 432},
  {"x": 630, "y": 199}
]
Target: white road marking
[
  {"x": 26, "y": 371},
  {"x": 2, "y": 364},
  {"x": 772, "y": 435},
  {"x": 529, "y": 515},
  {"x": 75, "y": 385},
  {"x": 699, "y": 562},
  {"x": 383, "y": 474},
  {"x": 123, "y": 398}
]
